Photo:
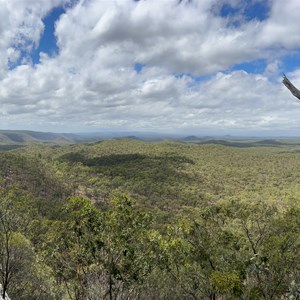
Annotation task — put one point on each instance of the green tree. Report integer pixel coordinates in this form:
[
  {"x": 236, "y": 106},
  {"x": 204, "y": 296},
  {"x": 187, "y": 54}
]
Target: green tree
[
  {"x": 14, "y": 220},
  {"x": 72, "y": 246},
  {"x": 127, "y": 255}
]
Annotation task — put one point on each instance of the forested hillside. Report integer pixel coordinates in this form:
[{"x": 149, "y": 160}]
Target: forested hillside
[{"x": 127, "y": 219}]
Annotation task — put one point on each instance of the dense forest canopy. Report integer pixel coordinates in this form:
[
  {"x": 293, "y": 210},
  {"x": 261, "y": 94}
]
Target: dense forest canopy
[{"x": 127, "y": 219}]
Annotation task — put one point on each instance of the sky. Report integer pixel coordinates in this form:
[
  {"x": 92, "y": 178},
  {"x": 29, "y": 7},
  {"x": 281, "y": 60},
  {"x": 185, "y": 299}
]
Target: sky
[{"x": 189, "y": 66}]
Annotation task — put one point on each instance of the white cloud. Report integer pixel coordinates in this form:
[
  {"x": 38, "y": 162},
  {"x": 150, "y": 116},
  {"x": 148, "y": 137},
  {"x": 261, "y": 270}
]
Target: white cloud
[
  {"x": 281, "y": 28},
  {"x": 92, "y": 81},
  {"x": 21, "y": 27}
]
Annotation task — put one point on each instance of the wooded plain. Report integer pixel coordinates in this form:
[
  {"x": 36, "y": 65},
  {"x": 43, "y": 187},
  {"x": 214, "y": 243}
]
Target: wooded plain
[{"x": 128, "y": 219}]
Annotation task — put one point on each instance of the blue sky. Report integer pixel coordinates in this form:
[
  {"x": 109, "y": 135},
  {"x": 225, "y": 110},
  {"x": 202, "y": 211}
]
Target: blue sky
[
  {"x": 251, "y": 10},
  {"x": 169, "y": 66},
  {"x": 47, "y": 42}
]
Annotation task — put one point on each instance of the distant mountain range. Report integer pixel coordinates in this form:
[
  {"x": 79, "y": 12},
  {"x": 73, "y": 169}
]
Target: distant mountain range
[
  {"x": 12, "y": 139},
  {"x": 17, "y": 138},
  {"x": 24, "y": 137}
]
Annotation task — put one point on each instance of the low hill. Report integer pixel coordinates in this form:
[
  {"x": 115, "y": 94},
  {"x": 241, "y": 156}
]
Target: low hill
[{"x": 36, "y": 178}]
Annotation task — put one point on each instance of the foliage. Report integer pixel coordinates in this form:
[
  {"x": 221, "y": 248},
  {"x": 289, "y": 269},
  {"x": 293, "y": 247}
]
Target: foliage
[{"x": 208, "y": 221}]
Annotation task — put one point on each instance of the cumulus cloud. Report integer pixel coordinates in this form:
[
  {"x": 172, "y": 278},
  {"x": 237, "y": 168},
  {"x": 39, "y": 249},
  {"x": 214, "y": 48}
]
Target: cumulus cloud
[
  {"x": 181, "y": 37},
  {"x": 186, "y": 49},
  {"x": 281, "y": 28},
  {"x": 21, "y": 27}
]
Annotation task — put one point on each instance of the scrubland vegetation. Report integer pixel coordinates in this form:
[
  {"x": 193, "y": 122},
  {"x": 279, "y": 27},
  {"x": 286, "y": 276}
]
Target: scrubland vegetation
[{"x": 125, "y": 219}]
